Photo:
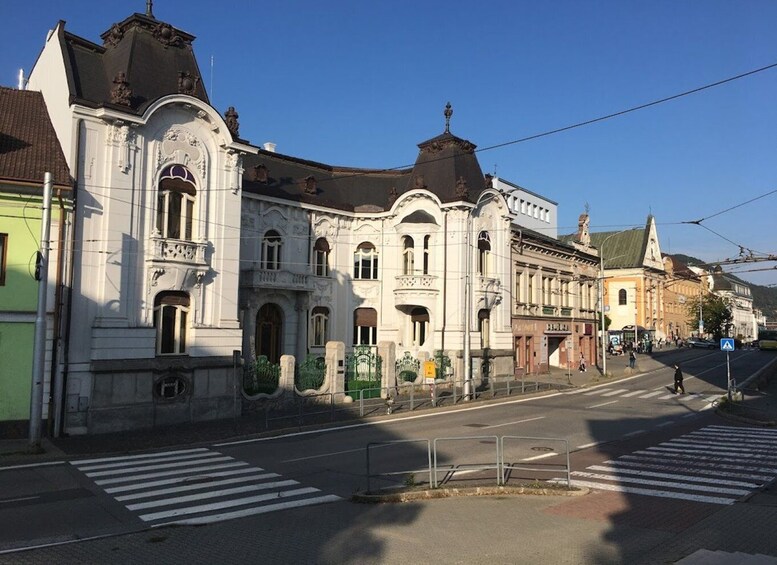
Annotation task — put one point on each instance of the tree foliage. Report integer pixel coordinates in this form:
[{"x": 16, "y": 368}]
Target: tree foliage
[{"x": 716, "y": 314}]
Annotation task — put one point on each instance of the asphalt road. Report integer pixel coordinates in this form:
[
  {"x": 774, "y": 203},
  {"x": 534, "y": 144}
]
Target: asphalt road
[{"x": 107, "y": 495}]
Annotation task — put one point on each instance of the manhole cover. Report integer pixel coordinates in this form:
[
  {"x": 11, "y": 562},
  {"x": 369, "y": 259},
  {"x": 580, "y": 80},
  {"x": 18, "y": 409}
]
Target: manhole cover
[
  {"x": 476, "y": 425},
  {"x": 542, "y": 448}
]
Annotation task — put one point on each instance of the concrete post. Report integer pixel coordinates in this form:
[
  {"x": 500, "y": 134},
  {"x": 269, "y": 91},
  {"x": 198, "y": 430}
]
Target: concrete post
[
  {"x": 387, "y": 350},
  {"x": 286, "y": 381},
  {"x": 335, "y": 369}
]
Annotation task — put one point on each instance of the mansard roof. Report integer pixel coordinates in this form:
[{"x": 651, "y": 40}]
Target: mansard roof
[
  {"x": 141, "y": 60},
  {"x": 280, "y": 176},
  {"x": 28, "y": 144},
  {"x": 446, "y": 166}
]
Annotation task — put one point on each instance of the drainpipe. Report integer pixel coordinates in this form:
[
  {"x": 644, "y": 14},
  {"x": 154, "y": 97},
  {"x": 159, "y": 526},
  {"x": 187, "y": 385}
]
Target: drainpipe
[{"x": 51, "y": 426}]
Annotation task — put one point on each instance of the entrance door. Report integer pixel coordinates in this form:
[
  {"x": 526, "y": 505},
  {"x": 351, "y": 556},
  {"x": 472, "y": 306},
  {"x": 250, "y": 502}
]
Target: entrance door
[{"x": 269, "y": 328}]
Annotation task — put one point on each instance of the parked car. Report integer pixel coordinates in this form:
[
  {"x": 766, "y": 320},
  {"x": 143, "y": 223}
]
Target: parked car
[{"x": 701, "y": 343}]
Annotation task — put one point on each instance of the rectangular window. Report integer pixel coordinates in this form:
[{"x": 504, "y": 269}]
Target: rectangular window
[
  {"x": 3, "y": 253},
  {"x": 518, "y": 297},
  {"x": 365, "y": 335},
  {"x": 530, "y": 289}
]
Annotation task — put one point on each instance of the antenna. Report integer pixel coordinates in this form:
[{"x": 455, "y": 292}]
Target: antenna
[{"x": 212, "y": 99}]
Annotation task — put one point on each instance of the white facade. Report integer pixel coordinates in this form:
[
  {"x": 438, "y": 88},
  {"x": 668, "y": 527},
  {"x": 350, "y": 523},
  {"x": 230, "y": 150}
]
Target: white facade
[
  {"x": 116, "y": 370},
  {"x": 531, "y": 210}
]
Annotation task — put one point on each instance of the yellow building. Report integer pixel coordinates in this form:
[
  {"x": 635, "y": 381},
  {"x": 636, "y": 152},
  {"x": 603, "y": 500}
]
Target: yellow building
[{"x": 681, "y": 286}]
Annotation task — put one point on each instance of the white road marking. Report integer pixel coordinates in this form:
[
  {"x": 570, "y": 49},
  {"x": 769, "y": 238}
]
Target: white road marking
[
  {"x": 136, "y": 457},
  {"x": 651, "y": 492},
  {"x": 634, "y": 433},
  {"x": 543, "y": 456},
  {"x": 184, "y": 479},
  {"x": 516, "y": 422},
  {"x": 666, "y": 484},
  {"x": 674, "y": 476},
  {"x": 665, "y": 424},
  {"x": 29, "y": 465},
  {"x": 226, "y": 504},
  {"x": 614, "y": 392},
  {"x": 597, "y": 391},
  {"x": 652, "y": 394},
  {"x": 196, "y": 486},
  {"x": 602, "y": 404},
  {"x": 187, "y": 464},
  {"x": 252, "y": 511},
  {"x": 170, "y": 473},
  {"x": 633, "y": 393},
  {"x": 667, "y": 396},
  {"x": 713, "y": 469},
  {"x": 18, "y": 499},
  {"x": 696, "y": 461},
  {"x": 155, "y": 460},
  {"x": 587, "y": 445}
]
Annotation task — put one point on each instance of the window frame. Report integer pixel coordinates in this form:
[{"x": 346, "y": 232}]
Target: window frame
[
  {"x": 321, "y": 257},
  {"x": 319, "y": 326},
  {"x": 176, "y": 183},
  {"x": 272, "y": 245},
  {"x": 623, "y": 297},
  {"x": 484, "y": 253},
  {"x": 408, "y": 255},
  {"x": 365, "y": 261},
  {"x": 177, "y": 334}
]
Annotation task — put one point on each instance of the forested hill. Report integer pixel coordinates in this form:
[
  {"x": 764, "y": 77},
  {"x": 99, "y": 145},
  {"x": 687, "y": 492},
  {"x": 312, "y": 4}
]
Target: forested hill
[{"x": 764, "y": 297}]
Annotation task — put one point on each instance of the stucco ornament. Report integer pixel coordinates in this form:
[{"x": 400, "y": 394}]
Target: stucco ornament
[{"x": 183, "y": 147}]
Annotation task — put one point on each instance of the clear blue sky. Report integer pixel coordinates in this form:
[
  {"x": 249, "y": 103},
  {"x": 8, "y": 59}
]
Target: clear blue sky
[{"x": 361, "y": 83}]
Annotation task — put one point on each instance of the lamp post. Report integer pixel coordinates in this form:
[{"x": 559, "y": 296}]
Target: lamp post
[{"x": 601, "y": 298}]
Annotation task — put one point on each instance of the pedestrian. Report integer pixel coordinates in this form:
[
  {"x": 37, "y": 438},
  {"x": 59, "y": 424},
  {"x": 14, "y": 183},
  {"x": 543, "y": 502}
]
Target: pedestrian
[
  {"x": 582, "y": 363},
  {"x": 632, "y": 359},
  {"x": 678, "y": 380}
]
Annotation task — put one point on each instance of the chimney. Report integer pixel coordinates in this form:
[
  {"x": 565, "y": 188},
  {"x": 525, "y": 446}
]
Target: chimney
[
  {"x": 22, "y": 81},
  {"x": 269, "y": 146}
]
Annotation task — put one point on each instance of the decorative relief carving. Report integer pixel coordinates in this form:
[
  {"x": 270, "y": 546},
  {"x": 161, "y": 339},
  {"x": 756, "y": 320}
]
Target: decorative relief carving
[
  {"x": 230, "y": 117},
  {"x": 121, "y": 93},
  {"x": 187, "y": 82},
  {"x": 183, "y": 146},
  {"x": 461, "y": 188},
  {"x": 167, "y": 35},
  {"x": 113, "y": 36}
]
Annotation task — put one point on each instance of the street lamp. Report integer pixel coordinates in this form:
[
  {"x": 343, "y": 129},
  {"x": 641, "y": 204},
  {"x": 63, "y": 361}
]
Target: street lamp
[{"x": 601, "y": 298}]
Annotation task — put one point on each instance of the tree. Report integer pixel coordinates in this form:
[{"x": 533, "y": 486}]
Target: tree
[
  {"x": 716, "y": 314},
  {"x": 607, "y": 321}
]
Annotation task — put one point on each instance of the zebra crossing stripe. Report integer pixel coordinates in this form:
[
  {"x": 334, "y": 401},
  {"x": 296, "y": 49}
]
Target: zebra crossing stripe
[
  {"x": 699, "y": 469},
  {"x": 196, "y": 486},
  {"x": 597, "y": 391},
  {"x": 711, "y": 444},
  {"x": 666, "y": 484},
  {"x": 138, "y": 457},
  {"x": 732, "y": 429},
  {"x": 652, "y": 394},
  {"x": 210, "y": 494},
  {"x": 651, "y": 492},
  {"x": 707, "y": 452},
  {"x": 188, "y": 464},
  {"x": 614, "y": 392},
  {"x": 177, "y": 480},
  {"x": 252, "y": 511},
  {"x": 713, "y": 463},
  {"x": 155, "y": 460},
  {"x": 169, "y": 473},
  {"x": 725, "y": 439},
  {"x": 633, "y": 393},
  {"x": 226, "y": 504},
  {"x": 667, "y": 396},
  {"x": 674, "y": 476}
]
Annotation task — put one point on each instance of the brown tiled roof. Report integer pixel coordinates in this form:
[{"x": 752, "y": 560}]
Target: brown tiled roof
[{"x": 28, "y": 144}]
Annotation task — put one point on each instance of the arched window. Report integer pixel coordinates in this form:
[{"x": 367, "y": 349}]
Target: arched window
[
  {"x": 321, "y": 257},
  {"x": 365, "y": 261},
  {"x": 365, "y": 326},
  {"x": 484, "y": 327},
  {"x": 484, "y": 252},
  {"x": 319, "y": 326},
  {"x": 419, "y": 317},
  {"x": 175, "y": 203},
  {"x": 622, "y": 297},
  {"x": 426, "y": 254},
  {"x": 271, "y": 251},
  {"x": 408, "y": 255},
  {"x": 171, "y": 310}
]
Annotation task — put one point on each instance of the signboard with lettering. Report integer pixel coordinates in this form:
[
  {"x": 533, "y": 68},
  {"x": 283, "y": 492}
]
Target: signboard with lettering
[{"x": 430, "y": 370}]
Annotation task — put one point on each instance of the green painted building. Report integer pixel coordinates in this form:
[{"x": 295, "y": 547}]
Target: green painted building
[{"x": 28, "y": 149}]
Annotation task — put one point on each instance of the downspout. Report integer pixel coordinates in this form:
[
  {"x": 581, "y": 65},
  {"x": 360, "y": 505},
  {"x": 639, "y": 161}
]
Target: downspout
[
  {"x": 444, "y": 282},
  {"x": 60, "y": 419}
]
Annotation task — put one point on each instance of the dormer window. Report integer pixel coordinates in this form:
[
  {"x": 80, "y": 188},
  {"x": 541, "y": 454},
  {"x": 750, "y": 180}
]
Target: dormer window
[{"x": 175, "y": 203}]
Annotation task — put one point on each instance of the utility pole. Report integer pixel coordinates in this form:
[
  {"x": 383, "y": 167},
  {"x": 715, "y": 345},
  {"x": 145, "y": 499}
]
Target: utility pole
[{"x": 39, "y": 349}]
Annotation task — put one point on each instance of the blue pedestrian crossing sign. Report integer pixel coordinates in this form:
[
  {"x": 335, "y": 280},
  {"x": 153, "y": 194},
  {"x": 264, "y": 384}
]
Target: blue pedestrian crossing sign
[{"x": 727, "y": 344}]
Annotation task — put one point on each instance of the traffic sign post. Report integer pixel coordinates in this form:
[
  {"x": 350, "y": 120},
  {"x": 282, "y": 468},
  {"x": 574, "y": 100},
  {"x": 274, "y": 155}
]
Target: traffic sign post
[{"x": 727, "y": 345}]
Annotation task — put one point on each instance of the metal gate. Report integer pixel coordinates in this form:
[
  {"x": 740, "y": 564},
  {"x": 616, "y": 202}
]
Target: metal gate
[
  {"x": 310, "y": 374},
  {"x": 443, "y": 364},
  {"x": 261, "y": 376},
  {"x": 363, "y": 372},
  {"x": 407, "y": 368}
]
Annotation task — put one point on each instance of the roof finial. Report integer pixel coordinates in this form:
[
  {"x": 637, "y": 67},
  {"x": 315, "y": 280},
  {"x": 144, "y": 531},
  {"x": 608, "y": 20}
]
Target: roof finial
[
  {"x": 150, "y": 8},
  {"x": 448, "y": 113}
]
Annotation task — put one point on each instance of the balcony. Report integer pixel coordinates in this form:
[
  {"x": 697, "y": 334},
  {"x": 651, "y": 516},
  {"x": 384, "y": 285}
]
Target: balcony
[
  {"x": 166, "y": 250},
  {"x": 278, "y": 280},
  {"x": 416, "y": 290}
]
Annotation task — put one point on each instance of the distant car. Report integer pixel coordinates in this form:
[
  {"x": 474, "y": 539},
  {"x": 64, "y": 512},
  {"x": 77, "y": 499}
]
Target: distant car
[{"x": 701, "y": 343}]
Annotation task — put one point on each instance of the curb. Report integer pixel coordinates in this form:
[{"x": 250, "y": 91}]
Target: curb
[{"x": 432, "y": 494}]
